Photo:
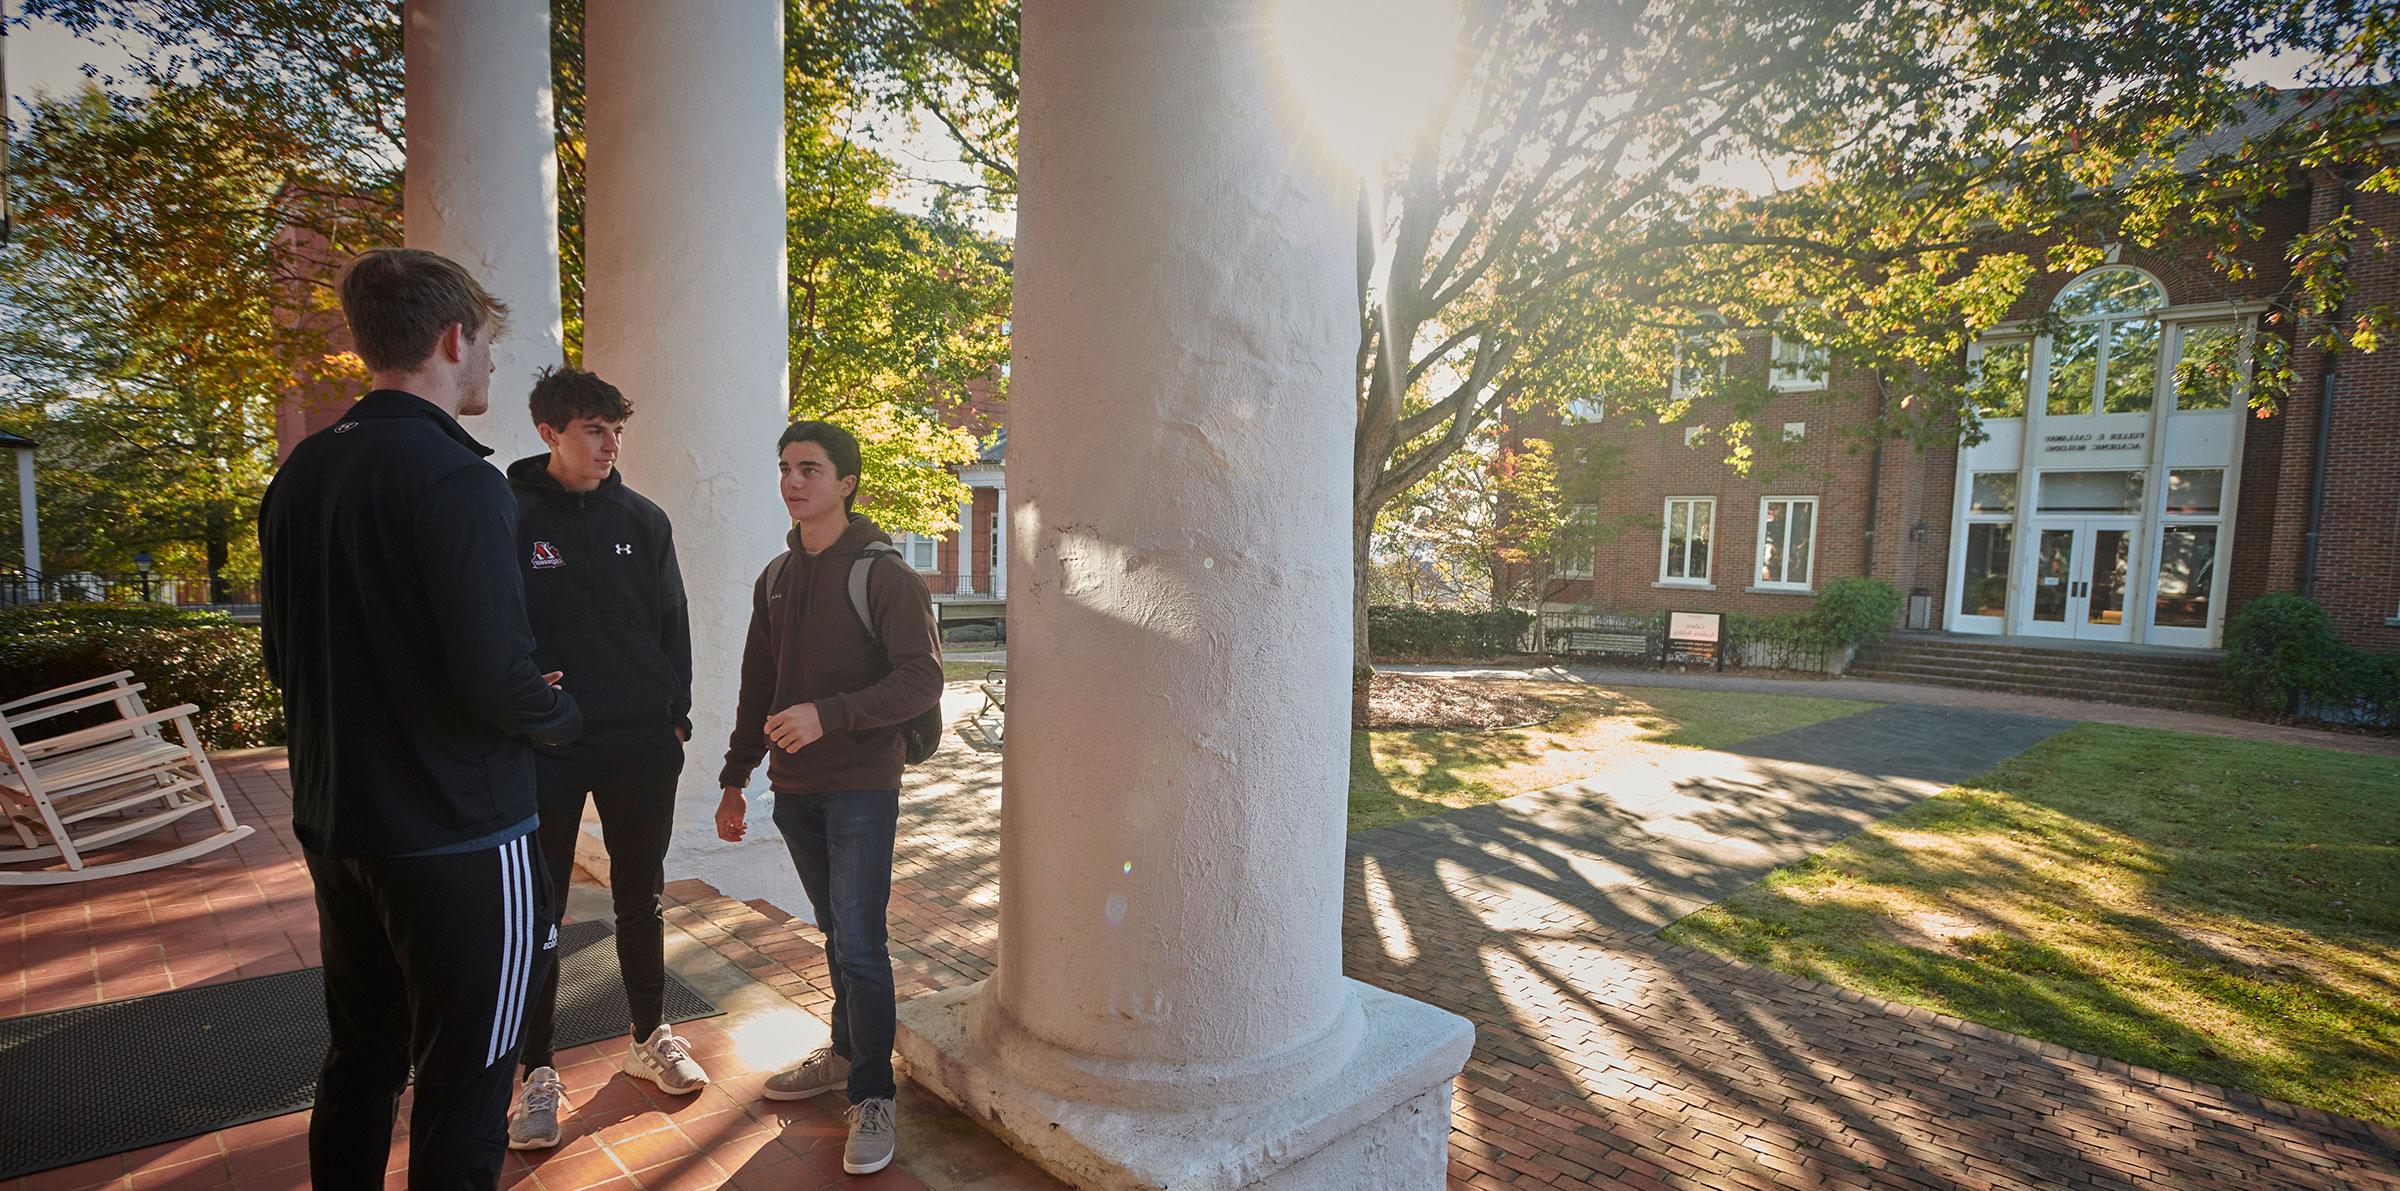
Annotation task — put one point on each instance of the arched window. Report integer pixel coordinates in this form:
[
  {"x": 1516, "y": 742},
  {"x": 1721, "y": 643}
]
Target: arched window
[{"x": 2105, "y": 358}]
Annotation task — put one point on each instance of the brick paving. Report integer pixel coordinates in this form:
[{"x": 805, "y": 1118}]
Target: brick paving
[{"x": 1603, "y": 1056}]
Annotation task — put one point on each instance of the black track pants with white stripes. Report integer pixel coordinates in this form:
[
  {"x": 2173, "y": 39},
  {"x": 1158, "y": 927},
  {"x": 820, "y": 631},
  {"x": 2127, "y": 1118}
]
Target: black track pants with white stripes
[{"x": 427, "y": 959}]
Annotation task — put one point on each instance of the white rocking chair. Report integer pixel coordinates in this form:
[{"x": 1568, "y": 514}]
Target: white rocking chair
[{"x": 76, "y": 792}]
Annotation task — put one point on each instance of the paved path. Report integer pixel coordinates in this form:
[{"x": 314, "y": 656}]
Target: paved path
[
  {"x": 1639, "y": 845},
  {"x": 1925, "y": 694}
]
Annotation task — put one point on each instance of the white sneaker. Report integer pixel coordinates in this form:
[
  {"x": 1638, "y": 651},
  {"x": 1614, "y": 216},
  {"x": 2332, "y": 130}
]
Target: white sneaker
[
  {"x": 533, "y": 1119},
  {"x": 663, "y": 1059}
]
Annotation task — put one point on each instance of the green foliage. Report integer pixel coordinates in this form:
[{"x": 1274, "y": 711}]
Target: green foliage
[
  {"x": 894, "y": 314},
  {"x": 1405, "y": 632},
  {"x": 2281, "y": 656},
  {"x": 142, "y": 345},
  {"x": 1856, "y": 610},
  {"x": 203, "y": 658}
]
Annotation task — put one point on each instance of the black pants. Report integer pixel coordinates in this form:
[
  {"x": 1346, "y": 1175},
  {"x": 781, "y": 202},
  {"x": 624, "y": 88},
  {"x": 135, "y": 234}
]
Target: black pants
[
  {"x": 637, "y": 815},
  {"x": 427, "y": 960}
]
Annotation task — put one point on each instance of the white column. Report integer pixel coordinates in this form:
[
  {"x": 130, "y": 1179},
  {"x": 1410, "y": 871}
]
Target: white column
[
  {"x": 1000, "y": 536},
  {"x": 1169, "y": 1007},
  {"x": 966, "y": 543},
  {"x": 31, "y": 517},
  {"x": 684, "y": 309},
  {"x": 482, "y": 181}
]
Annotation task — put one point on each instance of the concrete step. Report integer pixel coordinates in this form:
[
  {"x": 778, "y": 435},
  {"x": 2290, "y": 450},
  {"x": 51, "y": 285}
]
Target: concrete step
[
  {"x": 2150, "y": 697},
  {"x": 2037, "y": 670},
  {"x": 2143, "y": 663}
]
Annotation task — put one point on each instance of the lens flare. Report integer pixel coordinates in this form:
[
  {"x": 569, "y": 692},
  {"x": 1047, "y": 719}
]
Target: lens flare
[{"x": 1369, "y": 74}]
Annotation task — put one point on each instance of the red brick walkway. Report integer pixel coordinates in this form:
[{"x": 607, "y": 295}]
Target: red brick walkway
[
  {"x": 1602, "y": 1057},
  {"x": 247, "y": 911}
]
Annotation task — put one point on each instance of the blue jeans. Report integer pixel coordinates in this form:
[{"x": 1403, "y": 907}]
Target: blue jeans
[{"x": 841, "y": 842}]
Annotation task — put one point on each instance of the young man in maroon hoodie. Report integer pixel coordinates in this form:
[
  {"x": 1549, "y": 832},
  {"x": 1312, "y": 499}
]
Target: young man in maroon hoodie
[{"x": 832, "y": 700}]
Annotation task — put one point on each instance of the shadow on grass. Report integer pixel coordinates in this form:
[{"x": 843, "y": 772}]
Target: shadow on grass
[{"x": 2173, "y": 901}]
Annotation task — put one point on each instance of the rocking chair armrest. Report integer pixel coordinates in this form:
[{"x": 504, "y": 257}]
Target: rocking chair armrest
[
  {"x": 70, "y": 688},
  {"x": 101, "y": 732},
  {"x": 78, "y": 703}
]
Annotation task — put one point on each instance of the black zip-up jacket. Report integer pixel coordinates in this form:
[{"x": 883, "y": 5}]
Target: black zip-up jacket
[
  {"x": 394, "y": 621},
  {"x": 606, "y": 602}
]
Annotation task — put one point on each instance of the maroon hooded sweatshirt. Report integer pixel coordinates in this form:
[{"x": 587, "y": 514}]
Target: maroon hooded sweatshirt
[{"x": 806, "y": 646}]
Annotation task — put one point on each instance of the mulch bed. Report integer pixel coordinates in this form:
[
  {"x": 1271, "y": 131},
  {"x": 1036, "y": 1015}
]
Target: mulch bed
[{"x": 1419, "y": 701}]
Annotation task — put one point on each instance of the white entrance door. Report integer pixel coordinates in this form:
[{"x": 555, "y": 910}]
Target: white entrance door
[{"x": 2082, "y": 571}]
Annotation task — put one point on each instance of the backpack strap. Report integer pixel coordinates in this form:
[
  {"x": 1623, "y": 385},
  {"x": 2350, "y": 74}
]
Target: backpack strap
[
  {"x": 859, "y": 572},
  {"x": 775, "y": 580}
]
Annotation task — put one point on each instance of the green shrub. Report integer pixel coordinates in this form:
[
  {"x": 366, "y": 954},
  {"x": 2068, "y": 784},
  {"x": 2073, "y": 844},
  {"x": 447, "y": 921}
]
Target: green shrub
[
  {"x": 2281, "y": 655},
  {"x": 203, "y": 658},
  {"x": 1856, "y": 611},
  {"x": 1400, "y": 631},
  {"x": 971, "y": 634}
]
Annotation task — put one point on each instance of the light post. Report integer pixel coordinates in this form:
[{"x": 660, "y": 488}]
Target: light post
[{"x": 141, "y": 563}]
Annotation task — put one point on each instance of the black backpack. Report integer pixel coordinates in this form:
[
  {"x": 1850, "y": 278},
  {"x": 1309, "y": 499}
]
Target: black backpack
[{"x": 921, "y": 733}]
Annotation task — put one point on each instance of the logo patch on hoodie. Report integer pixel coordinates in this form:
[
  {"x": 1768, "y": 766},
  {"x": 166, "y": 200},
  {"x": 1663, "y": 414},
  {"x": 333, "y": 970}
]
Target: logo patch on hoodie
[{"x": 545, "y": 556}]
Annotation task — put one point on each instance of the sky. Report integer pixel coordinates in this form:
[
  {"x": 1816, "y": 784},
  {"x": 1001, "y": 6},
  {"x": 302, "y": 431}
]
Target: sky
[{"x": 43, "y": 57}]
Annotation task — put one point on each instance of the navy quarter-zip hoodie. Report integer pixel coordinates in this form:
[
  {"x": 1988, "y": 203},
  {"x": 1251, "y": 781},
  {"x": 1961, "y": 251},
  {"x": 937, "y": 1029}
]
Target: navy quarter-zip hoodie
[
  {"x": 605, "y": 598},
  {"x": 393, "y": 619}
]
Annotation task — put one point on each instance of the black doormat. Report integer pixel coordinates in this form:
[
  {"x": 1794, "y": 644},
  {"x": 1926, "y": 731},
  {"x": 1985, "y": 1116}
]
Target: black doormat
[{"x": 104, "y": 1079}]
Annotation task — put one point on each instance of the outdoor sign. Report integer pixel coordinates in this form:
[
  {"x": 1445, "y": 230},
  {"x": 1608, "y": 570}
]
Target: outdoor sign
[{"x": 1696, "y": 637}]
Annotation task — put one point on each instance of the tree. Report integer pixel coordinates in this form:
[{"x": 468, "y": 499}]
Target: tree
[
  {"x": 1553, "y": 238},
  {"x": 141, "y": 344},
  {"x": 885, "y": 343}
]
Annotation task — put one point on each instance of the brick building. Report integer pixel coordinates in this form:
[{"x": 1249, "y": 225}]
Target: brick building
[{"x": 2123, "y": 493}]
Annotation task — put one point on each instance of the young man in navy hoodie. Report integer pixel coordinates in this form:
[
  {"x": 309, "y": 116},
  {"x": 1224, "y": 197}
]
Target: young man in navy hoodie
[
  {"x": 831, "y": 700},
  {"x": 394, "y": 622},
  {"x": 606, "y": 602}
]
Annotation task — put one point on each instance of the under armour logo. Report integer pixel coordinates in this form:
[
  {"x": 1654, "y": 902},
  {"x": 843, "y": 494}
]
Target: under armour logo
[{"x": 624, "y": 547}]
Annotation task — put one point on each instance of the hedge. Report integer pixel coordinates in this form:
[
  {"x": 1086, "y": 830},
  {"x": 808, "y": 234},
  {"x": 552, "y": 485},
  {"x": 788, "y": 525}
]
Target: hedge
[
  {"x": 1406, "y": 632},
  {"x": 2281, "y": 656},
  {"x": 203, "y": 658}
]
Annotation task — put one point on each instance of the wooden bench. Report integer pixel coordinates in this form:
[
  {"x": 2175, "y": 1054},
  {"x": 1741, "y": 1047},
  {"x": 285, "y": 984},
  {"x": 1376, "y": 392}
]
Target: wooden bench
[
  {"x": 992, "y": 717},
  {"x": 1609, "y": 642}
]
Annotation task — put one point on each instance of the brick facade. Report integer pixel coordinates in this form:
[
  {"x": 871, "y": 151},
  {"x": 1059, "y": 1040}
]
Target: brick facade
[{"x": 2357, "y": 573}]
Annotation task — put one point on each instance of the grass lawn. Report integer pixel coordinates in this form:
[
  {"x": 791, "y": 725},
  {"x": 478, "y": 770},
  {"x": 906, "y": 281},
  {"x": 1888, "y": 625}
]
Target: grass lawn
[
  {"x": 2224, "y": 910},
  {"x": 1406, "y": 774},
  {"x": 967, "y": 671}
]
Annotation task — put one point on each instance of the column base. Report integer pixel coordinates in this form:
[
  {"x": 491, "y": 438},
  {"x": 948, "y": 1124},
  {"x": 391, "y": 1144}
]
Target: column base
[{"x": 1381, "y": 1122}]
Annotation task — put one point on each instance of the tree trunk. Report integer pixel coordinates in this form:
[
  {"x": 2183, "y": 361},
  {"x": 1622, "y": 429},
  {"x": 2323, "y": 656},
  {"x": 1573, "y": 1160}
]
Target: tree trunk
[
  {"x": 220, "y": 550},
  {"x": 1362, "y": 662}
]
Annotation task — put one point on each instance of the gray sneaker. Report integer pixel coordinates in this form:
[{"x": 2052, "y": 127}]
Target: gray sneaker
[
  {"x": 533, "y": 1119},
  {"x": 817, "y": 1074},
  {"x": 872, "y": 1137}
]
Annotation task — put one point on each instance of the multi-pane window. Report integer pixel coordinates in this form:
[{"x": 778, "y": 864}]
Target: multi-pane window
[
  {"x": 1574, "y": 557},
  {"x": 1684, "y": 540},
  {"x": 1586, "y": 409},
  {"x": 1991, "y": 533},
  {"x": 2105, "y": 359},
  {"x": 1797, "y": 367},
  {"x": 2208, "y": 366},
  {"x": 919, "y": 551},
  {"x": 1787, "y": 540},
  {"x": 2187, "y": 547},
  {"x": 1997, "y": 382},
  {"x": 1699, "y": 363}
]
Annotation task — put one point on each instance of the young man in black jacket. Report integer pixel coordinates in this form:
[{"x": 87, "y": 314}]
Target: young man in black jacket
[
  {"x": 395, "y": 624},
  {"x": 604, "y": 594}
]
